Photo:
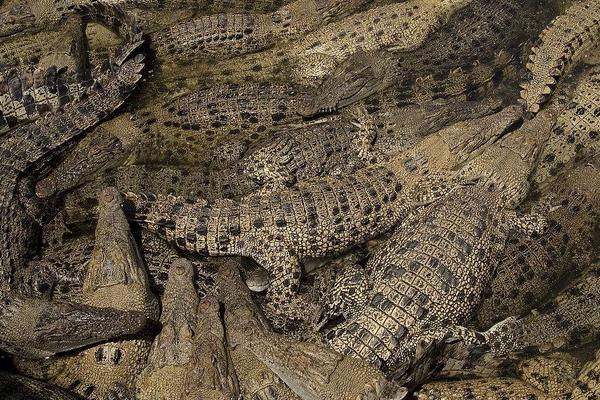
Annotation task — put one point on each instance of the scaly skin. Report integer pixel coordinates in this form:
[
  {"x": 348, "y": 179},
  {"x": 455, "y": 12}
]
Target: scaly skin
[
  {"x": 431, "y": 273},
  {"x": 588, "y": 381},
  {"x": 116, "y": 277},
  {"x": 180, "y": 129},
  {"x": 19, "y": 387},
  {"x": 576, "y": 130},
  {"x": 313, "y": 372},
  {"x": 532, "y": 266},
  {"x": 28, "y": 146},
  {"x": 396, "y": 26},
  {"x": 41, "y": 73},
  {"x": 570, "y": 319},
  {"x": 560, "y": 46},
  {"x": 542, "y": 378},
  {"x": 256, "y": 380},
  {"x": 171, "y": 353},
  {"x": 213, "y": 375},
  {"x": 227, "y": 35},
  {"x": 319, "y": 217},
  {"x": 294, "y": 154},
  {"x": 38, "y": 328},
  {"x": 106, "y": 147},
  {"x": 482, "y": 33}
]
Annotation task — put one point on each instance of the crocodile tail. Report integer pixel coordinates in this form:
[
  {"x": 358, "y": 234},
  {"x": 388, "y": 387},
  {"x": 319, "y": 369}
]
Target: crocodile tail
[
  {"x": 120, "y": 21},
  {"x": 28, "y": 144},
  {"x": 556, "y": 49}
]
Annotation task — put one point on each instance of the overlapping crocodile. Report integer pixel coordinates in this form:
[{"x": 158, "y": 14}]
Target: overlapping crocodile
[
  {"x": 560, "y": 46},
  {"x": 395, "y": 26},
  {"x": 310, "y": 370},
  {"x": 479, "y": 34},
  {"x": 228, "y": 35},
  {"x": 185, "y": 341},
  {"x": 531, "y": 267},
  {"x": 345, "y": 143},
  {"x": 26, "y": 149},
  {"x": 321, "y": 216},
  {"x": 428, "y": 278},
  {"x": 116, "y": 277}
]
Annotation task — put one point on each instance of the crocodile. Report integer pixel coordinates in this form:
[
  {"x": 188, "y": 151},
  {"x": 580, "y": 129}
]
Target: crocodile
[
  {"x": 256, "y": 380},
  {"x": 428, "y": 278},
  {"x": 568, "y": 320},
  {"x": 475, "y": 35},
  {"x": 38, "y": 328},
  {"x": 28, "y": 147},
  {"x": 227, "y": 35},
  {"x": 310, "y": 370},
  {"x": 320, "y": 216},
  {"x": 531, "y": 267},
  {"x": 394, "y": 26},
  {"x": 116, "y": 277},
  {"x": 543, "y": 378},
  {"x": 576, "y": 131},
  {"x": 293, "y": 154},
  {"x": 171, "y": 355},
  {"x": 18, "y": 387},
  {"x": 186, "y": 124},
  {"x": 188, "y": 358},
  {"x": 560, "y": 46},
  {"x": 213, "y": 376}
]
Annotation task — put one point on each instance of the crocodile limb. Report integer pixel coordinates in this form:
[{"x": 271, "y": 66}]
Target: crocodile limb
[
  {"x": 19, "y": 387},
  {"x": 428, "y": 278},
  {"x": 224, "y": 36},
  {"x": 473, "y": 36},
  {"x": 28, "y": 146},
  {"x": 321, "y": 216},
  {"x": 116, "y": 278},
  {"x": 532, "y": 267},
  {"x": 559, "y": 46},
  {"x": 396, "y": 26},
  {"x": 171, "y": 354},
  {"x": 311, "y": 371}
]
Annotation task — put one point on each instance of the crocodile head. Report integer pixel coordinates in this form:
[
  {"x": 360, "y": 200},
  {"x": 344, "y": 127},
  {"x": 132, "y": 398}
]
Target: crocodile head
[
  {"x": 36, "y": 328},
  {"x": 361, "y": 75},
  {"x": 505, "y": 166}
]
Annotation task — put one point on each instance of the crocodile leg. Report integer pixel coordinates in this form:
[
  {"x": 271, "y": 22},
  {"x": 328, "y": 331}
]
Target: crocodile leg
[{"x": 348, "y": 294}]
